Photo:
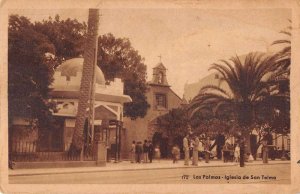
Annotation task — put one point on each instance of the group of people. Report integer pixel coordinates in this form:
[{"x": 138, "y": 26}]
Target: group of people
[
  {"x": 191, "y": 143},
  {"x": 231, "y": 152},
  {"x": 142, "y": 152},
  {"x": 192, "y": 146}
]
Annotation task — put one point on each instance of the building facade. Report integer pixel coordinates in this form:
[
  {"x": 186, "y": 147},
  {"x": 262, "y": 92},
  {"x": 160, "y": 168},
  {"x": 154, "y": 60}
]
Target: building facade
[
  {"x": 162, "y": 99},
  {"x": 108, "y": 105}
]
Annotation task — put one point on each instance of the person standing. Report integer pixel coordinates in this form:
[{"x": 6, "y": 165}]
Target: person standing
[
  {"x": 226, "y": 152},
  {"x": 139, "y": 151},
  {"x": 133, "y": 152},
  {"x": 145, "y": 151},
  {"x": 191, "y": 148},
  {"x": 195, "y": 151},
  {"x": 150, "y": 151},
  {"x": 265, "y": 152},
  {"x": 237, "y": 153},
  {"x": 186, "y": 150}
]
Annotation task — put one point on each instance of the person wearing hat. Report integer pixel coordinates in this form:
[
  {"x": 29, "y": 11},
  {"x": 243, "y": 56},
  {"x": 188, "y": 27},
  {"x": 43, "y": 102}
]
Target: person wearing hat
[{"x": 139, "y": 151}]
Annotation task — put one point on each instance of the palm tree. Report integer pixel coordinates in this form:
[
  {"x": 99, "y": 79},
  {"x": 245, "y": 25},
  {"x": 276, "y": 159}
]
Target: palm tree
[
  {"x": 251, "y": 83},
  {"x": 86, "y": 81}
]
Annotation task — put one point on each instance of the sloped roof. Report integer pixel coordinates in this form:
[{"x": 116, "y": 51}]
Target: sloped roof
[{"x": 160, "y": 65}]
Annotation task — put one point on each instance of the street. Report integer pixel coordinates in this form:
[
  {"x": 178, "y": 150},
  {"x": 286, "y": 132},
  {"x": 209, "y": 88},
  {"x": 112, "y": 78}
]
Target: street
[{"x": 264, "y": 174}]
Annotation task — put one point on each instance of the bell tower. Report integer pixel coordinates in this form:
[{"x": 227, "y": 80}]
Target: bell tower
[{"x": 159, "y": 75}]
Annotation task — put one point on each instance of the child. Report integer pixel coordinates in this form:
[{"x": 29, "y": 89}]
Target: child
[{"x": 175, "y": 153}]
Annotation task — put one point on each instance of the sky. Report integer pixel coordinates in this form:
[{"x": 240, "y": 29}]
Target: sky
[{"x": 189, "y": 40}]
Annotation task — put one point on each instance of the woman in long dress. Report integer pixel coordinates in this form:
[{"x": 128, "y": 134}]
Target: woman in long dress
[
  {"x": 133, "y": 158},
  {"x": 157, "y": 152},
  {"x": 237, "y": 153}
]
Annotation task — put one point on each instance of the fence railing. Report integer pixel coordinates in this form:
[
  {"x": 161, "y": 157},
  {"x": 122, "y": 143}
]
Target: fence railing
[{"x": 21, "y": 151}]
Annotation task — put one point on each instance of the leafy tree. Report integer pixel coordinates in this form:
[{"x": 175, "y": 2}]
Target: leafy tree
[
  {"x": 263, "y": 132},
  {"x": 36, "y": 49},
  {"x": 68, "y": 36},
  {"x": 117, "y": 58},
  {"x": 174, "y": 123},
  {"x": 29, "y": 71},
  {"x": 252, "y": 83}
]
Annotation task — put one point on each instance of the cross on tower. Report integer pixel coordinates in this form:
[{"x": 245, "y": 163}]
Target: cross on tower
[{"x": 159, "y": 58}]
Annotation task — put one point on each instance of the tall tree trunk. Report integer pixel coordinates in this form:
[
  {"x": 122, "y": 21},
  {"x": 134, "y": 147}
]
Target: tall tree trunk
[
  {"x": 86, "y": 81},
  {"x": 245, "y": 119},
  {"x": 246, "y": 135}
]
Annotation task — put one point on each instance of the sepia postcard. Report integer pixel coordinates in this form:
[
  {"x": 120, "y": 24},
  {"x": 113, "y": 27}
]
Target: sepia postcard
[{"x": 151, "y": 96}]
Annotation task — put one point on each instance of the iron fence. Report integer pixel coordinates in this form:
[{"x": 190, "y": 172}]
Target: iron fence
[{"x": 21, "y": 151}]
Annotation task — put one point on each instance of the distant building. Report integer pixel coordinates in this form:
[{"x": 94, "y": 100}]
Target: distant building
[
  {"x": 191, "y": 90},
  {"x": 162, "y": 99}
]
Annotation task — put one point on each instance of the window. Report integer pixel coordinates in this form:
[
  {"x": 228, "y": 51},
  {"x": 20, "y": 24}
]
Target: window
[
  {"x": 160, "y": 77},
  {"x": 161, "y": 100}
]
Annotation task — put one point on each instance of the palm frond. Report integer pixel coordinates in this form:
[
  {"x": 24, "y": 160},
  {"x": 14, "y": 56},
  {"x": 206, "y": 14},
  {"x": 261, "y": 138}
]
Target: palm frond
[
  {"x": 286, "y": 32},
  {"x": 226, "y": 75},
  {"x": 227, "y": 104},
  {"x": 281, "y": 42},
  {"x": 231, "y": 68},
  {"x": 214, "y": 88},
  {"x": 206, "y": 97}
]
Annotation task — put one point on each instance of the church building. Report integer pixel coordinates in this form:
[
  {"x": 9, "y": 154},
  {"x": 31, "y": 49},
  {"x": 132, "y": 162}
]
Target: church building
[{"x": 162, "y": 99}]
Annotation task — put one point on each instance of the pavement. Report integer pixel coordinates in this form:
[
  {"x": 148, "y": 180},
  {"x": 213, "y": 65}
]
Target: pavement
[{"x": 128, "y": 166}]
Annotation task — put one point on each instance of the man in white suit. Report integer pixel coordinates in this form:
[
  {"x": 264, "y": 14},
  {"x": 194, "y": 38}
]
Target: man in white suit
[{"x": 186, "y": 149}]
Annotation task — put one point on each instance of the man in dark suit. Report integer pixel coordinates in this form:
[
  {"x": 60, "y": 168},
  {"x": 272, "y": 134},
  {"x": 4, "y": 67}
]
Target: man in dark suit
[
  {"x": 150, "y": 151},
  {"x": 139, "y": 151}
]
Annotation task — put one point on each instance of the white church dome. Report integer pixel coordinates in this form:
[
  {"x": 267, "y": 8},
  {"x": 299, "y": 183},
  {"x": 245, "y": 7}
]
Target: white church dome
[{"x": 71, "y": 67}]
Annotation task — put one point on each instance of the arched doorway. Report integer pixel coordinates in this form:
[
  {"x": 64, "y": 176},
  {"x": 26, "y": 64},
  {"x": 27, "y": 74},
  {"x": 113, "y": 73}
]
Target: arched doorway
[{"x": 162, "y": 141}]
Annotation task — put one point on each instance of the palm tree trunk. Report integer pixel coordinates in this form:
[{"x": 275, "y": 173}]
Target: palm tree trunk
[
  {"x": 86, "y": 81},
  {"x": 246, "y": 135},
  {"x": 245, "y": 119}
]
